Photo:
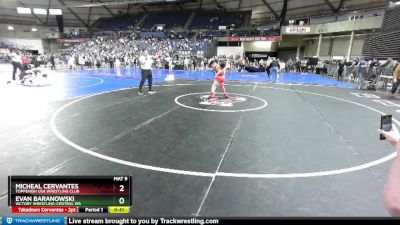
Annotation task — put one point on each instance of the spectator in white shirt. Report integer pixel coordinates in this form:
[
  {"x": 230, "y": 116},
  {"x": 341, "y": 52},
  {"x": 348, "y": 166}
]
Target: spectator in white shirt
[{"x": 81, "y": 61}]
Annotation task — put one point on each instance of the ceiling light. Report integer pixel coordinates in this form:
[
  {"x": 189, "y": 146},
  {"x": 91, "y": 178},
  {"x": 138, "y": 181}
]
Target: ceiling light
[
  {"x": 39, "y": 11},
  {"x": 55, "y": 11},
  {"x": 22, "y": 10}
]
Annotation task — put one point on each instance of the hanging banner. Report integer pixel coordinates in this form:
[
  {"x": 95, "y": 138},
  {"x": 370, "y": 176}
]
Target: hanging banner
[
  {"x": 265, "y": 38},
  {"x": 73, "y": 41},
  {"x": 298, "y": 29}
]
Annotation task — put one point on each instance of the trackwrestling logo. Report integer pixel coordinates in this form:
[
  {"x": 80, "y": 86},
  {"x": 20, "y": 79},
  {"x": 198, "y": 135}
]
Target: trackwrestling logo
[{"x": 32, "y": 220}]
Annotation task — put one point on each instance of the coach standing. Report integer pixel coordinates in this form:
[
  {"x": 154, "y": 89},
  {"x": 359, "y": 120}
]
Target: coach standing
[{"x": 146, "y": 62}]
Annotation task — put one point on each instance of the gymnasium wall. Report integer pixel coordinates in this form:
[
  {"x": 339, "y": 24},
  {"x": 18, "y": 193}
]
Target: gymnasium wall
[
  {"x": 260, "y": 46},
  {"x": 228, "y": 51},
  {"x": 337, "y": 46},
  {"x": 50, "y": 45},
  {"x": 343, "y": 26},
  {"x": 290, "y": 41},
  {"x": 287, "y": 48}
]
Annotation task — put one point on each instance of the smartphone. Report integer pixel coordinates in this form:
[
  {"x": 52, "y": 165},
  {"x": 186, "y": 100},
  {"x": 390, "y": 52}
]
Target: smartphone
[{"x": 386, "y": 124}]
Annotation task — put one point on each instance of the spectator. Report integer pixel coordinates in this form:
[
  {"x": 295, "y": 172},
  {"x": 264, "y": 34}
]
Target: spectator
[
  {"x": 396, "y": 80},
  {"x": 71, "y": 62},
  {"x": 53, "y": 63},
  {"x": 274, "y": 71},
  {"x": 340, "y": 69},
  {"x": 362, "y": 68},
  {"x": 25, "y": 62},
  {"x": 126, "y": 46},
  {"x": 81, "y": 61}
]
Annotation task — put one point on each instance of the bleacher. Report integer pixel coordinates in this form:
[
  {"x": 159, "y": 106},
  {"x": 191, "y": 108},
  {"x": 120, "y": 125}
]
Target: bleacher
[
  {"x": 214, "y": 19},
  {"x": 7, "y": 45},
  {"x": 213, "y": 33},
  {"x": 245, "y": 33},
  {"x": 391, "y": 22},
  {"x": 210, "y": 20},
  {"x": 120, "y": 23},
  {"x": 385, "y": 44},
  {"x": 179, "y": 46},
  {"x": 181, "y": 34},
  {"x": 170, "y": 19},
  {"x": 272, "y": 32}
]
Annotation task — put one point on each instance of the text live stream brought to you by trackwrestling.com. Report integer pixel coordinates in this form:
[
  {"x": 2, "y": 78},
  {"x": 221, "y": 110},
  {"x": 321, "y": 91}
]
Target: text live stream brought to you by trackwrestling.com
[{"x": 54, "y": 220}]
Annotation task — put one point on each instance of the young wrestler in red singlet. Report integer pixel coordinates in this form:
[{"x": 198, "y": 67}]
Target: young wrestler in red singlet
[{"x": 220, "y": 73}]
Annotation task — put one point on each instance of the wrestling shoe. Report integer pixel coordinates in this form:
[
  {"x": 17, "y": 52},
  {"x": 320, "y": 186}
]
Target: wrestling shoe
[{"x": 14, "y": 82}]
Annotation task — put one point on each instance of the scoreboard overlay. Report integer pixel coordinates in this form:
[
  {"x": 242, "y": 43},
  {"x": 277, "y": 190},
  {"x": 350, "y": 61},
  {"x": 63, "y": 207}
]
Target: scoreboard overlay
[{"x": 70, "y": 194}]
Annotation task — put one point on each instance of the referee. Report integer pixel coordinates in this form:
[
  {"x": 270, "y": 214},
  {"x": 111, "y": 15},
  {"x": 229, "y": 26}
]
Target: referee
[
  {"x": 146, "y": 62},
  {"x": 16, "y": 62}
]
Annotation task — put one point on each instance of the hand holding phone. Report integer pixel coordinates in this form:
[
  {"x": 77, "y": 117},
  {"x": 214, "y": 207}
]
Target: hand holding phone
[{"x": 386, "y": 125}]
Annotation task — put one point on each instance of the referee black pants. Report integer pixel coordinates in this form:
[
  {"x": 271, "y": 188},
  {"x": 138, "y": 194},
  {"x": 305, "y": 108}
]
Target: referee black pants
[
  {"x": 17, "y": 65},
  {"x": 146, "y": 75}
]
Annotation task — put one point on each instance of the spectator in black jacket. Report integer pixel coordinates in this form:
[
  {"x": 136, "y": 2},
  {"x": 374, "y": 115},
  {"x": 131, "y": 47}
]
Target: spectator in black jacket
[
  {"x": 340, "y": 69},
  {"x": 274, "y": 70}
]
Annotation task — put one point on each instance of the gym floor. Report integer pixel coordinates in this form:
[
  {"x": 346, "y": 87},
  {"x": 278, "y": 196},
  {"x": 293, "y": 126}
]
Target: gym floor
[{"x": 306, "y": 145}]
